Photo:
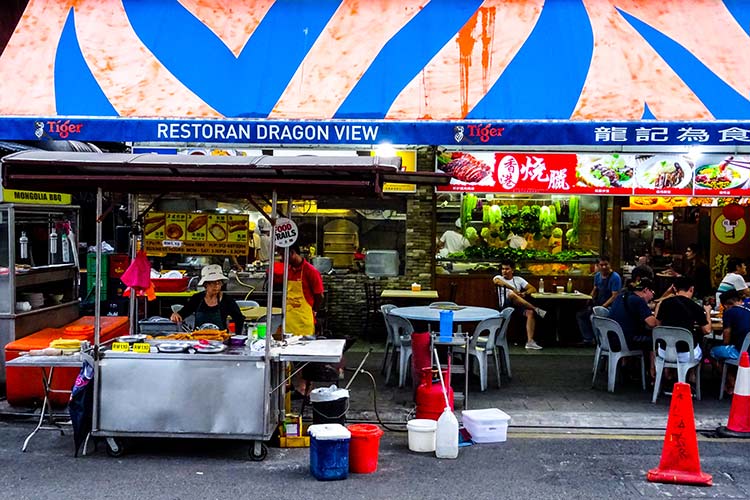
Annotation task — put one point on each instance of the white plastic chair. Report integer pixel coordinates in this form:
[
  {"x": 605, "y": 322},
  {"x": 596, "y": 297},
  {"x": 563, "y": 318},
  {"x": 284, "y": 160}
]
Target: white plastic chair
[
  {"x": 480, "y": 346},
  {"x": 603, "y": 326},
  {"x": 384, "y": 310},
  {"x": 602, "y": 312},
  {"x": 670, "y": 336},
  {"x": 400, "y": 330},
  {"x": 735, "y": 362}
]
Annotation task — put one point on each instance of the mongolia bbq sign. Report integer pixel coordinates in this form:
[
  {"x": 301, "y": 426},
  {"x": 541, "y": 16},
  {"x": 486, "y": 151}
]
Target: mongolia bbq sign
[{"x": 611, "y": 174}]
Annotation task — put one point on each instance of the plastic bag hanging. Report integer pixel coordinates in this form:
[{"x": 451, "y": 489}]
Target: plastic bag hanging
[{"x": 138, "y": 273}]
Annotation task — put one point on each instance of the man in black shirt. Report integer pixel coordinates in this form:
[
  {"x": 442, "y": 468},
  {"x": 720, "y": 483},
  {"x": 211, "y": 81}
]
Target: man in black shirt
[{"x": 679, "y": 310}]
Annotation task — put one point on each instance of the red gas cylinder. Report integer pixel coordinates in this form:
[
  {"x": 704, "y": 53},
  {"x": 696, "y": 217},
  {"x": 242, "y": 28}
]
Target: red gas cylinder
[
  {"x": 430, "y": 399},
  {"x": 421, "y": 357}
]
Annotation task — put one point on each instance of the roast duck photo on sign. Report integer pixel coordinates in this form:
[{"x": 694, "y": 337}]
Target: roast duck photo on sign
[{"x": 463, "y": 167}]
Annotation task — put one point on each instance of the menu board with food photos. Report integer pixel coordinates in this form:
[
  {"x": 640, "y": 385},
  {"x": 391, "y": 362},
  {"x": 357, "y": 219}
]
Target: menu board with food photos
[
  {"x": 649, "y": 175},
  {"x": 196, "y": 233}
]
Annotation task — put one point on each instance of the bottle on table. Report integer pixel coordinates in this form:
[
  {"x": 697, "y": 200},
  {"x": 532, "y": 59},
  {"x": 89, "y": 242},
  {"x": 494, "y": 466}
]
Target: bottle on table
[
  {"x": 541, "y": 285},
  {"x": 569, "y": 286}
]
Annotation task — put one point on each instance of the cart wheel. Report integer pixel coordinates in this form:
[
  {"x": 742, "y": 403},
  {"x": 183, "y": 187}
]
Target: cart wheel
[
  {"x": 115, "y": 447},
  {"x": 258, "y": 451}
]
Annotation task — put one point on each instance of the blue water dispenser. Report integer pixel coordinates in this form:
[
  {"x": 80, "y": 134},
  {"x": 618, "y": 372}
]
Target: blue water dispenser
[{"x": 446, "y": 326}]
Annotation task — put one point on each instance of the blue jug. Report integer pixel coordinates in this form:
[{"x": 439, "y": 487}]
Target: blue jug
[{"x": 446, "y": 326}]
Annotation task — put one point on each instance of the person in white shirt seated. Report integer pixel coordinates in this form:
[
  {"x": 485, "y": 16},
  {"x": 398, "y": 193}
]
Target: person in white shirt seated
[
  {"x": 734, "y": 279},
  {"x": 452, "y": 242},
  {"x": 512, "y": 292}
]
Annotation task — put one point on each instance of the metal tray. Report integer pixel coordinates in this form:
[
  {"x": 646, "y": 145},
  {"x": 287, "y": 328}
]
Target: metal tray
[
  {"x": 173, "y": 347},
  {"x": 131, "y": 339},
  {"x": 212, "y": 348}
]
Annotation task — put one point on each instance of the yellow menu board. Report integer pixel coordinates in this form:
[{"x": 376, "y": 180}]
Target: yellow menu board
[{"x": 196, "y": 233}]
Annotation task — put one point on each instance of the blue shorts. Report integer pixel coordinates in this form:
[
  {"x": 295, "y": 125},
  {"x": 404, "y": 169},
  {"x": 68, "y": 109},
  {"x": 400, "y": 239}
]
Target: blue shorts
[{"x": 722, "y": 352}]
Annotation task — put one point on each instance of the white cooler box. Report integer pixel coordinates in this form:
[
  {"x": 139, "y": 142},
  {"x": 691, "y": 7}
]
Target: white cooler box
[{"x": 486, "y": 426}]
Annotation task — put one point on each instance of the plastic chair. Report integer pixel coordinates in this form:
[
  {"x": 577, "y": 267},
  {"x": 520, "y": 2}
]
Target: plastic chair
[
  {"x": 670, "y": 336},
  {"x": 400, "y": 330},
  {"x": 480, "y": 346},
  {"x": 601, "y": 312},
  {"x": 735, "y": 362},
  {"x": 247, "y": 303},
  {"x": 385, "y": 309},
  {"x": 602, "y": 327}
]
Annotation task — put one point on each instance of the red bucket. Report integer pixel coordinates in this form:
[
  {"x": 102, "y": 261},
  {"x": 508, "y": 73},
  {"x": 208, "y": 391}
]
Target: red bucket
[{"x": 363, "y": 448}]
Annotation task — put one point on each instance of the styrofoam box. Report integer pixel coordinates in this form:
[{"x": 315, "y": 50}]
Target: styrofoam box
[{"x": 486, "y": 426}]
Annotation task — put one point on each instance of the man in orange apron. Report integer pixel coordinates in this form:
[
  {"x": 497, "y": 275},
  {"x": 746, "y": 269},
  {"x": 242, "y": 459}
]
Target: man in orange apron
[{"x": 304, "y": 293}]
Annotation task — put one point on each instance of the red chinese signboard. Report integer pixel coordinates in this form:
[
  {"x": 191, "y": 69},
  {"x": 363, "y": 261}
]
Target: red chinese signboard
[{"x": 604, "y": 174}]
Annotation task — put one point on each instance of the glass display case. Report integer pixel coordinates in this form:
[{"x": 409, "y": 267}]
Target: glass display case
[{"x": 39, "y": 272}]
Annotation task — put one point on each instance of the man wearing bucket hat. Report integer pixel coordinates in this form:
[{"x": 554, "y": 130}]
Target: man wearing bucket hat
[{"x": 211, "y": 305}]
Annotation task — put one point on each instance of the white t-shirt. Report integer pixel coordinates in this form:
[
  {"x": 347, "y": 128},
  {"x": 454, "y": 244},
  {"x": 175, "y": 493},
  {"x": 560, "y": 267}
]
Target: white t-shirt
[
  {"x": 502, "y": 293},
  {"x": 453, "y": 242}
]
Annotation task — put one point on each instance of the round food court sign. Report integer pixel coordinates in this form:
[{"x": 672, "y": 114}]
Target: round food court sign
[{"x": 285, "y": 232}]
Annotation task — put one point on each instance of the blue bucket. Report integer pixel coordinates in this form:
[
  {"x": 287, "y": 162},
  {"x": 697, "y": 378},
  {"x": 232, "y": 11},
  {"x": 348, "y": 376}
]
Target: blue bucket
[{"x": 329, "y": 451}]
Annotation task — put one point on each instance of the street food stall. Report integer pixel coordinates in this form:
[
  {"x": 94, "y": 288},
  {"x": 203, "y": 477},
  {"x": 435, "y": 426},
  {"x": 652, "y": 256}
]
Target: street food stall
[{"x": 142, "y": 389}]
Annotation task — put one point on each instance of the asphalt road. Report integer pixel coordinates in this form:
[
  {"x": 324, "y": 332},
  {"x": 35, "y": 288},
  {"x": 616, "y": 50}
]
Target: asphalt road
[{"x": 526, "y": 466}]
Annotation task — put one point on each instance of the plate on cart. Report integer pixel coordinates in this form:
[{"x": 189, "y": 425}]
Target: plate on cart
[
  {"x": 173, "y": 347},
  {"x": 212, "y": 348}
]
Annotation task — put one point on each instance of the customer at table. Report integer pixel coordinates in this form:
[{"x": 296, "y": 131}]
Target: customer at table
[
  {"x": 512, "y": 292},
  {"x": 734, "y": 279},
  {"x": 679, "y": 310},
  {"x": 212, "y": 305},
  {"x": 736, "y": 325},
  {"x": 642, "y": 269},
  {"x": 630, "y": 309},
  {"x": 607, "y": 284},
  {"x": 697, "y": 269}
]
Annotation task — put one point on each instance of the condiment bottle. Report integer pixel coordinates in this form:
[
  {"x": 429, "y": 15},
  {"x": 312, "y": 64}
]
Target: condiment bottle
[
  {"x": 569, "y": 286},
  {"x": 541, "y": 285}
]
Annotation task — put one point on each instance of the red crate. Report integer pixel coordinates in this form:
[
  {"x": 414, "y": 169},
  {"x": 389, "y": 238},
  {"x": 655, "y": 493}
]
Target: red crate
[{"x": 170, "y": 284}]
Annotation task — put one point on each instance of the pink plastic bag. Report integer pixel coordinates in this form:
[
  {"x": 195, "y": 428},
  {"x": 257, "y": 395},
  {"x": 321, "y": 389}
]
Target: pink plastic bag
[{"x": 138, "y": 273}]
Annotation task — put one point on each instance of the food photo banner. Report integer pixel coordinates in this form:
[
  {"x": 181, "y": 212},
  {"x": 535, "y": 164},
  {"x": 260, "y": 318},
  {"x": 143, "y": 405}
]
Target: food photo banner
[
  {"x": 196, "y": 233},
  {"x": 610, "y": 174}
]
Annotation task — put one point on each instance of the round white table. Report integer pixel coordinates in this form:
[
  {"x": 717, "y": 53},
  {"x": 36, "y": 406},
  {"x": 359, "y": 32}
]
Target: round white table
[
  {"x": 467, "y": 314},
  {"x": 426, "y": 313}
]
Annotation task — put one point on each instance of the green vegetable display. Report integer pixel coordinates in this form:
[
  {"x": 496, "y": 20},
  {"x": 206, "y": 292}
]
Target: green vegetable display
[
  {"x": 518, "y": 255},
  {"x": 575, "y": 220}
]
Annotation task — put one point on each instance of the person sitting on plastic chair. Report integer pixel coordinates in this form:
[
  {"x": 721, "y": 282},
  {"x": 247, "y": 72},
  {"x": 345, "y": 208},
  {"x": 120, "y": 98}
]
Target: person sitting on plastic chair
[
  {"x": 512, "y": 292},
  {"x": 736, "y": 324}
]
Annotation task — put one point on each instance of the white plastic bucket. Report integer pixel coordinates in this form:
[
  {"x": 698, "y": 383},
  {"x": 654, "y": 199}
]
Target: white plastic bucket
[{"x": 421, "y": 434}]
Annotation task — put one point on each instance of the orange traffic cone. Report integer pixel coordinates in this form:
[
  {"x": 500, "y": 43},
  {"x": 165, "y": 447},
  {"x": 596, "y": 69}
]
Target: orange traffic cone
[
  {"x": 680, "y": 462},
  {"x": 739, "y": 413}
]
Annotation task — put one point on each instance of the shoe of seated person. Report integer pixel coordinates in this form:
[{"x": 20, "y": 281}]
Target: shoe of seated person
[{"x": 533, "y": 345}]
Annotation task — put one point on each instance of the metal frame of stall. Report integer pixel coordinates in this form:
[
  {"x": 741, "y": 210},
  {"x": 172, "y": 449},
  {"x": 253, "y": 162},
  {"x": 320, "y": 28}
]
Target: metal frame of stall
[{"x": 116, "y": 382}]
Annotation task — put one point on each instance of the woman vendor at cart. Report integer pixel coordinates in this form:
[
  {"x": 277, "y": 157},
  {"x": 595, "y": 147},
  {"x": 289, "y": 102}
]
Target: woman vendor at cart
[{"x": 211, "y": 305}]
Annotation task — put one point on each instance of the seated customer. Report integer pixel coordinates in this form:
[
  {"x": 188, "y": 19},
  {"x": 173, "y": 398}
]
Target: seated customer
[
  {"x": 630, "y": 309},
  {"x": 607, "y": 284},
  {"x": 679, "y": 310},
  {"x": 512, "y": 292},
  {"x": 736, "y": 324}
]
